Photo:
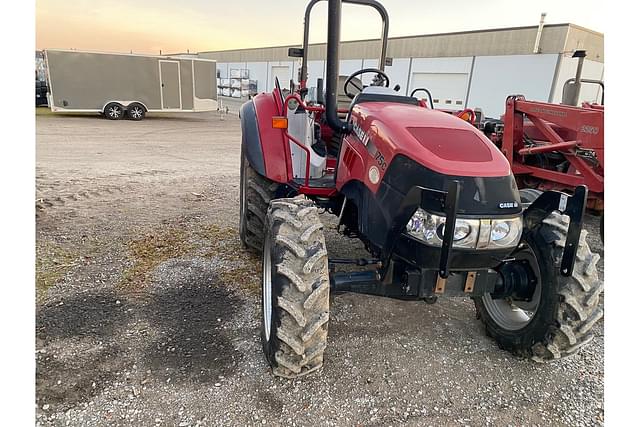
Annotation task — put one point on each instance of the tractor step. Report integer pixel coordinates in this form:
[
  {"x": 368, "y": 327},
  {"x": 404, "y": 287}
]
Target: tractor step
[{"x": 327, "y": 181}]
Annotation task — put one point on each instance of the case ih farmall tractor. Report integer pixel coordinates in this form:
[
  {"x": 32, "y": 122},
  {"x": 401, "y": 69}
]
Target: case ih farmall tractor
[{"x": 431, "y": 197}]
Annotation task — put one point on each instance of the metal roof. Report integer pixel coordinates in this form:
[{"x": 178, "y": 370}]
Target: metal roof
[{"x": 556, "y": 38}]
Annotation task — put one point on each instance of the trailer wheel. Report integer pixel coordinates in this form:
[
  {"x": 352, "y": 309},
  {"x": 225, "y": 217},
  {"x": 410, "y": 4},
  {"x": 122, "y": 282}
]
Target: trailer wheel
[
  {"x": 136, "y": 111},
  {"x": 295, "y": 288},
  {"x": 113, "y": 111},
  {"x": 256, "y": 192},
  {"x": 559, "y": 318}
]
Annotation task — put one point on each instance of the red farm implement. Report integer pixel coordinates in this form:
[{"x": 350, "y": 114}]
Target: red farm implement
[{"x": 556, "y": 147}]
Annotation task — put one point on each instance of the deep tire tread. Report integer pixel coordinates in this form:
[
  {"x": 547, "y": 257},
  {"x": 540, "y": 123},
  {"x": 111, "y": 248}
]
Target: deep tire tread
[
  {"x": 576, "y": 299},
  {"x": 259, "y": 192},
  {"x": 301, "y": 288}
]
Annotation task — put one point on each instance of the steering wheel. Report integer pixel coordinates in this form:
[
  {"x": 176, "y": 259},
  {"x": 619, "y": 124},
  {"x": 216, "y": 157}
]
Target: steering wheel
[{"x": 381, "y": 79}]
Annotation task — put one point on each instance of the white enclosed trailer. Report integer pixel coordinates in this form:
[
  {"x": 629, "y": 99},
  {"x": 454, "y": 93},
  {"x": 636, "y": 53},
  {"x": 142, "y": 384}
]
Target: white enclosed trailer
[{"x": 129, "y": 85}]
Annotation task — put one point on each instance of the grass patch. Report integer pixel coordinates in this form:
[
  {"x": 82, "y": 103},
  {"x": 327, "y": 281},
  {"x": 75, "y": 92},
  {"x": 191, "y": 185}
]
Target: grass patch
[
  {"x": 53, "y": 262},
  {"x": 245, "y": 272},
  {"x": 150, "y": 251},
  {"x": 239, "y": 269}
]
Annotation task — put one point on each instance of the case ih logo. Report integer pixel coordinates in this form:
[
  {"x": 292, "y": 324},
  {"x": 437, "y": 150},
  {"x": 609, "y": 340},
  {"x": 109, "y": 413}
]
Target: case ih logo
[
  {"x": 361, "y": 134},
  {"x": 592, "y": 130},
  {"x": 508, "y": 205}
]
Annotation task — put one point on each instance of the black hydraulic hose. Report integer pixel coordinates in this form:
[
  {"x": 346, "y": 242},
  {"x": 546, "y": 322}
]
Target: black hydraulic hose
[{"x": 333, "y": 56}]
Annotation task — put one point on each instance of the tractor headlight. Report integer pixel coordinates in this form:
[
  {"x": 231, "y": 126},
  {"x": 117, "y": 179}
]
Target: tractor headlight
[
  {"x": 469, "y": 233},
  {"x": 505, "y": 233},
  {"x": 430, "y": 229}
]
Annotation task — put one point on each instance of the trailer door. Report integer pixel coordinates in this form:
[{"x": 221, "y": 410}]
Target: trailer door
[{"x": 170, "y": 90}]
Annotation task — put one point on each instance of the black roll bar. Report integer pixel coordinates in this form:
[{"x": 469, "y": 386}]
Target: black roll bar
[
  {"x": 372, "y": 3},
  {"x": 333, "y": 64}
]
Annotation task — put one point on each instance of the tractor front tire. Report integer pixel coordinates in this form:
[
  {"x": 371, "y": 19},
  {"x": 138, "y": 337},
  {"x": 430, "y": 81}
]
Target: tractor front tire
[
  {"x": 568, "y": 307},
  {"x": 295, "y": 288},
  {"x": 256, "y": 192}
]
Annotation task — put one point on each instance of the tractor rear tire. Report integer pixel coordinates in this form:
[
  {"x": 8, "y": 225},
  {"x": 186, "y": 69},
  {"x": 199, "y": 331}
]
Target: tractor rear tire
[
  {"x": 295, "y": 288},
  {"x": 568, "y": 307},
  {"x": 256, "y": 192}
]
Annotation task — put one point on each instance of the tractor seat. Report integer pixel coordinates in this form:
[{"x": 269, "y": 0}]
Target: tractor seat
[{"x": 382, "y": 94}]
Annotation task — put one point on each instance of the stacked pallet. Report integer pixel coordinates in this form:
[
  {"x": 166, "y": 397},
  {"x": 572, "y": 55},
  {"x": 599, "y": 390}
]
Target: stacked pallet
[{"x": 238, "y": 84}]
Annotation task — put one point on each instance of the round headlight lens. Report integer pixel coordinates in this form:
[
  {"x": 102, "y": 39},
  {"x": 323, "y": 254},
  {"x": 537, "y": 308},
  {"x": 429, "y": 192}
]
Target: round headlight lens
[
  {"x": 505, "y": 232},
  {"x": 500, "y": 230},
  {"x": 462, "y": 230}
]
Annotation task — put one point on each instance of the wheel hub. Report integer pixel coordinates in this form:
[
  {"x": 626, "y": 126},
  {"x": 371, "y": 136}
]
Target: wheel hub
[
  {"x": 516, "y": 280},
  {"x": 517, "y": 294}
]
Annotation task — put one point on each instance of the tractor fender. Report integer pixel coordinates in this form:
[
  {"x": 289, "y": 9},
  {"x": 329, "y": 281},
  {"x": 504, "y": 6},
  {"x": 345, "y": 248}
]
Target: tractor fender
[
  {"x": 251, "y": 144},
  {"x": 261, "y": 143}
]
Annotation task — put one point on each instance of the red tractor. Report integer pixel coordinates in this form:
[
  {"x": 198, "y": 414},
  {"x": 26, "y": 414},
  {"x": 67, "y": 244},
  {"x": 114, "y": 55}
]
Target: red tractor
[{"x": 431, "y": 197}]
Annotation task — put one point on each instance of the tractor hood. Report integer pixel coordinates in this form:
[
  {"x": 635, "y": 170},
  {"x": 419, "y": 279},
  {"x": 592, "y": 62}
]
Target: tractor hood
[{"x": 437, "y": 140}]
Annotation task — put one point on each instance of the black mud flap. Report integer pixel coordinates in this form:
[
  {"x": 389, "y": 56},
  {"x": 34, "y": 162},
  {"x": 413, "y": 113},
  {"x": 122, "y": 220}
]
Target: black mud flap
[{"x": 572, "y": 206}]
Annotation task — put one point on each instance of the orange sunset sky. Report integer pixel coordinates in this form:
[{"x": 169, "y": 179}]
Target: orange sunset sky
[{"x": 148, "y": 26}]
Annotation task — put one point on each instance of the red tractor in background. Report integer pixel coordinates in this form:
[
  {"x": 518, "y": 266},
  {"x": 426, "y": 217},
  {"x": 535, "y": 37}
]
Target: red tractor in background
[
  {"x": 431, "y": 198},
  {"x": 552, "y": 146}
]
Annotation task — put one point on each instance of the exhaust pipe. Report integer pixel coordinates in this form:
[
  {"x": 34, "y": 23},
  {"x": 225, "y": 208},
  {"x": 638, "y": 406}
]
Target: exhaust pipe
[
  {"x": 577, "y": 85},
  {"x": 536, "y": 46},
  {"x": 333, "y": 62}
]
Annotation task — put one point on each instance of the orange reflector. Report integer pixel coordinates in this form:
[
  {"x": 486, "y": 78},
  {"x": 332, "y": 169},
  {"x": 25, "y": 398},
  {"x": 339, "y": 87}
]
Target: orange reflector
[
  {"x": 466, "y": 116},
  {"x": 278, "y": 122}
]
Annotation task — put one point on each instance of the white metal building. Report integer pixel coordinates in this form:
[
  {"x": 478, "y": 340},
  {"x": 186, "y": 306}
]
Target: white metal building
[{"x": 465, "y": 69}]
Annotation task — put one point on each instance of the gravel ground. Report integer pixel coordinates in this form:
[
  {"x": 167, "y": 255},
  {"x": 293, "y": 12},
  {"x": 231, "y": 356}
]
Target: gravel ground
[{"x": 148, "y": 310}]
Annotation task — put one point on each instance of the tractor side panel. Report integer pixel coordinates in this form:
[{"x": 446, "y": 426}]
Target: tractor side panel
[
  {"x": 351, "y": 163},
  {"x": 272, "y": 141}
]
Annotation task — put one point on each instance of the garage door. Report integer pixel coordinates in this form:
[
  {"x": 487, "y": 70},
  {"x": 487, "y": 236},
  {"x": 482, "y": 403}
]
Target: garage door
[
  {"x": 282, "y": 73},
  {"x": 449, "y": 90}
]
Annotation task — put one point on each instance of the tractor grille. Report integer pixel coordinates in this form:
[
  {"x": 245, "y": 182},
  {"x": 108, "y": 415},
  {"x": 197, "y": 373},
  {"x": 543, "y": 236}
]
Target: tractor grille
[{"x": 349, "y": 158}]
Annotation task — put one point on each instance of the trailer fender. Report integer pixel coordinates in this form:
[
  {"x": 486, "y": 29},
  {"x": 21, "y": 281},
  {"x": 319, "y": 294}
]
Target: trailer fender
[
  {"x": 251, "y": 144},
  {"x": 125, "y": 104}
]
